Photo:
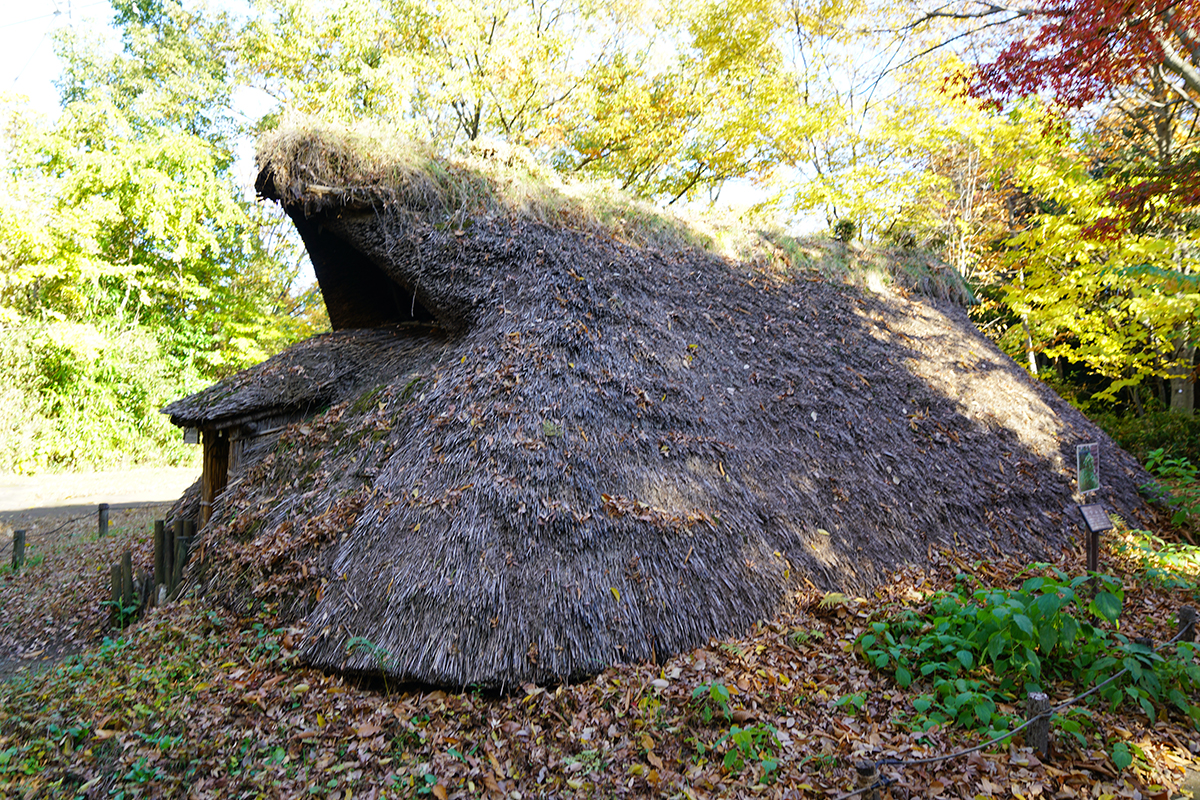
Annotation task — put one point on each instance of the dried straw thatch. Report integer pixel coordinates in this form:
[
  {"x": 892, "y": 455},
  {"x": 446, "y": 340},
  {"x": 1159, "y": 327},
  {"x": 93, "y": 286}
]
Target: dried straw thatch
[{"x": 600, "y": 448}]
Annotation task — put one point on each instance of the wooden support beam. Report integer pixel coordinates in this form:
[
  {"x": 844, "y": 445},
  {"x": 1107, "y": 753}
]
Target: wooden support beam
[{"x": 215, "y": 473}]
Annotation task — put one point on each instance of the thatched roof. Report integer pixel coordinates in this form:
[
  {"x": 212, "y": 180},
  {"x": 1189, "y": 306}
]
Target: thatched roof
[
  {"x": 308, "y": 377},
  {"x": 613, "y": 450}
]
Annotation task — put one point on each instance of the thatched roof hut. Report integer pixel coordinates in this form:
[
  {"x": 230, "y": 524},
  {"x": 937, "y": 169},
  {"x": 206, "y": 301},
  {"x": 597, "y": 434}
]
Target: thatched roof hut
[{"x": 552, "y": 431}]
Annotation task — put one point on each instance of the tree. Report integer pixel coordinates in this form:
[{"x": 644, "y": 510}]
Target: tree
[
  {"x": 134, "y": 268},
  {"x": 1121, "y": 303},
  {"x": 451, "y": 72},
  {"x": 1138, "y": 61},
  {"x": 1081, "y": 50}
]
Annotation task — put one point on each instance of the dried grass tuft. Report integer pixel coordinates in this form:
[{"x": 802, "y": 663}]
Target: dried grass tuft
[{"x": 322, "y": 166}]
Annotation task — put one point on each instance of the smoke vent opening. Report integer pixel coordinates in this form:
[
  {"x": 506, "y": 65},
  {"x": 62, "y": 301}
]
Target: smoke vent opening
[{"x": 358, "y": 294}]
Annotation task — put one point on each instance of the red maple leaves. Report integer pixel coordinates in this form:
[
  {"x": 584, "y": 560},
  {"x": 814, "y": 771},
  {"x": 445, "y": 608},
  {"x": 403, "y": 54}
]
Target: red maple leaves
[{"x": 1081, "y": 49}]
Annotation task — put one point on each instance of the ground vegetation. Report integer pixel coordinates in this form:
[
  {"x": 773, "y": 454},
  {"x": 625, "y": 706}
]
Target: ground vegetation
[{"x": 195, "y": 698}]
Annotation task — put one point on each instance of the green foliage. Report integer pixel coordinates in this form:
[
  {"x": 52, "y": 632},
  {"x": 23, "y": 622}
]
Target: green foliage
[
  {"x": 358, "y": 645},
  {"x": 132, "y": 267},
  {"x": 752, "y": 745},
  {"x": 1177, "y": 435},
  {"x": 853, "y": 703},
  {"x": 1120, "y": 302},
  {"x": 122, "y": 615},
  {"x": 800, "y": 637},
  {"x": 86, "y": 393},
  {"x": 844, "y": 230},
  {"x": 979, "y": 646},
  {"x": 1121, "y": 756},
  {"x": 1172, "y": 565},
  {"x": 1183, "y": 478},
  {"x": 1159, "y": 464},
  {"x": 712, "y": 697}
]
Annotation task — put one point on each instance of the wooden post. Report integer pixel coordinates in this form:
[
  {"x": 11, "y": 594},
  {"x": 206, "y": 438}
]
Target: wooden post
[
  {"x": 102, "y": 527},
  {"x": 1187, "y": 624},
  {"x": 189, "y": 535},
  {"x": 866, "y": 774},
  {"x": 172, "y": 547},
  {"x": 1036, "y": 705},
  {"x": 18, "y": 551},
  {"x": 182, "y": 543},
  {"x": 160, "y": 535},
  {"x": 114, "y": 576},
  {"x": 145, "y": 589},
  {"x": 215, "y": 471},
  {"x": 127, "y": 579}
]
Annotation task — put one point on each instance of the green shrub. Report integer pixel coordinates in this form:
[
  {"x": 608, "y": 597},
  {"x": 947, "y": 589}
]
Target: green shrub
[
  {"x": 844, "y": 230},
  {"x": 1177, "y": 435},
  {"x": 981, "y": 646},
  {"x": 84, "y": 395},
  {"x": 1182, "y": 485}
]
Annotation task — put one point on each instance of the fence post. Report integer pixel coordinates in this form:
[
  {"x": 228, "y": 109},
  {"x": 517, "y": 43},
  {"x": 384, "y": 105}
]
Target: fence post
[
  {"x": 173, "y": 537},
  {"x": 1037, "y": 708},
  {"x": 114, "y": 576},
  {"x": 866, "y": 776},
  {"x": 189, "y": 536},
  {"x": 127, "y": 579},
  {"x": 1187, "y": 624},
  {"x": 182, "y": 542},
  {"x": 145, "y": 588},
  {"x": 102, "y": 527},
  {"x": 18, "y": 553},
  {"x": 160, "y": 535}
]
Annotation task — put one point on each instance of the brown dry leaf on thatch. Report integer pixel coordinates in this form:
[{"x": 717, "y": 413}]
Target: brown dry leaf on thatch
[{"x": 550, "y": 432}]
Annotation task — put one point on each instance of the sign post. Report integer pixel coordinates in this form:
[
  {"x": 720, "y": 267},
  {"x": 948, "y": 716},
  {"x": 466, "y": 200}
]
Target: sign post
[{"x": 1087, "y": 465}]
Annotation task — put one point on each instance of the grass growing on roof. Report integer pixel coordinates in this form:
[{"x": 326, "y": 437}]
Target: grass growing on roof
[
  {"x": 367, "y": 166},
  {"x": 364, "y": 166}
]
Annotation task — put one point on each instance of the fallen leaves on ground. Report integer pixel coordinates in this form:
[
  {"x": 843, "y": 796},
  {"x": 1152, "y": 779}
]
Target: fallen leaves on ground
[{"x": 195, "y": 701}]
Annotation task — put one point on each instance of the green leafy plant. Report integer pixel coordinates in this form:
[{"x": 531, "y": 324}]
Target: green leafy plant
[
  {"x": 712, "y": 697},
  {"x": 754, "y": 744},
  {"x": 853, "y": 703},
  {"x": 980, "y": 646},
  {"x": 1177, "y": 435},
  {"x": 1182, "y": 492},
  {"x": 800, "y": 637},
  {"x": 588, "y": 761},
  {"x": 1173, "y": 565},
  {"x": 143, "y": 772},
  {"x": 122, "y": 615},
  {"x": 426, "y": 784}
]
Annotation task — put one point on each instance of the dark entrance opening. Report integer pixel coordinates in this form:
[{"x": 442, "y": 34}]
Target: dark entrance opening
[{"x": 358, "y": 294}]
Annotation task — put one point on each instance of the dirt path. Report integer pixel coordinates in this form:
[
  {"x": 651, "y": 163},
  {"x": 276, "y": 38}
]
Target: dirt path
[{"x": 31, "y": 496}]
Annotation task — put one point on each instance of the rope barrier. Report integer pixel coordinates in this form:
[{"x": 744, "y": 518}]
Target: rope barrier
[
  {"x": 883, "y": 782},
  {"x": 8, "y": 544}
]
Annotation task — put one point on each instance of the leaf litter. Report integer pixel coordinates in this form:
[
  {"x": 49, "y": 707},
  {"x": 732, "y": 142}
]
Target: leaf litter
[{"x": 198, "y": 701}]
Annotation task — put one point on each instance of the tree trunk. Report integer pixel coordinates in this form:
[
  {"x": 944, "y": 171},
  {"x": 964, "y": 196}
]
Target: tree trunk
[
  {"x": 1183, "y": 386},
  {"x": 1033, "y": 367}
]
